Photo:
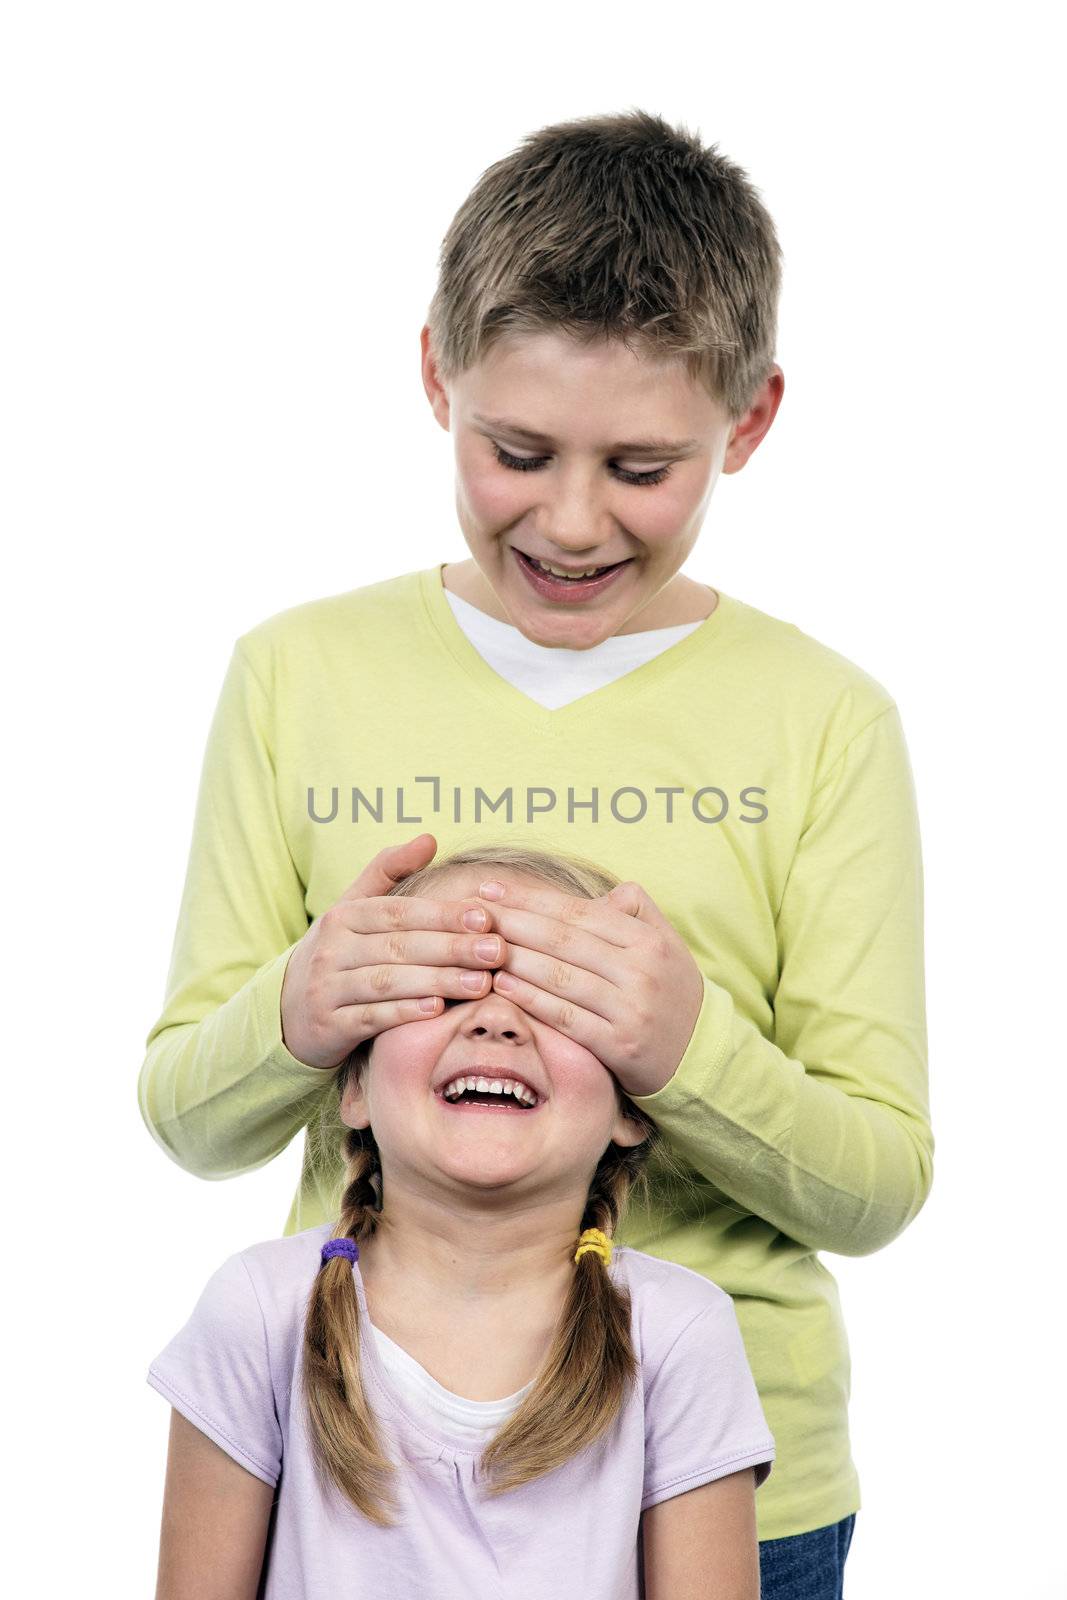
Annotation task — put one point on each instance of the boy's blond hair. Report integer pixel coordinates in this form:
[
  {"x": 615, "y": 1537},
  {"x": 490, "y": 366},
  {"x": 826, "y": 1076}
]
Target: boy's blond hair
[{"x": 615, "y": 226}]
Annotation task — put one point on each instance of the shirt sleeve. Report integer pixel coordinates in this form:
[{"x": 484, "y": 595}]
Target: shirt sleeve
[
  {"x": 824, "y": 1129},
  {"x": 219, "y": 1090},
  {"x": 703, "y": 1417},
  {"x": 216, "y": 1372}
]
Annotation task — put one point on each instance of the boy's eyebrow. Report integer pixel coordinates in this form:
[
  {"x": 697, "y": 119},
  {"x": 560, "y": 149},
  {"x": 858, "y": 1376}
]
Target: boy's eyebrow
[{"x": 632, "y": 447}]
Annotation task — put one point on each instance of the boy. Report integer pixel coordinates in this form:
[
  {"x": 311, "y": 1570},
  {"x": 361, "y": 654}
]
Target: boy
[{"x": 600, "y": 346}]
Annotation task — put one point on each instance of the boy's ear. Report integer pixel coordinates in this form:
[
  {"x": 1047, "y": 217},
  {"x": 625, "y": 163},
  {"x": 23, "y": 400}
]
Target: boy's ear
[
  {"x": 748, "y": 431},
  {"x": 436, "y": 392}
]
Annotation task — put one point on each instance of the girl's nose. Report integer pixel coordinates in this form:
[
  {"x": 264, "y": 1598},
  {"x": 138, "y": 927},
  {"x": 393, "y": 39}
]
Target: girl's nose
[{"x": 495, "y": 1014}]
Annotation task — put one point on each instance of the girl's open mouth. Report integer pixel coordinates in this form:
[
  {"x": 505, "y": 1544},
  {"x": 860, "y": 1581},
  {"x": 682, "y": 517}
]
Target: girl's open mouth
[
  {"x": 482, "y": 1100},
  {"x": 568, "y": 590}
]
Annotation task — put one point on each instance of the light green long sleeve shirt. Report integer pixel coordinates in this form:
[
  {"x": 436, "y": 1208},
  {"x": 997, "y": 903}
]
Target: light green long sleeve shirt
[{"x": 753, "y": 781}]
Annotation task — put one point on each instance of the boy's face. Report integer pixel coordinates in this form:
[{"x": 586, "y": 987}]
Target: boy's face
[{"x": 563, "y": 491}]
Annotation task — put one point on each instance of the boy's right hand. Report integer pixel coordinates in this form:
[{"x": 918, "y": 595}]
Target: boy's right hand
[{"x": 363, "y": 966}]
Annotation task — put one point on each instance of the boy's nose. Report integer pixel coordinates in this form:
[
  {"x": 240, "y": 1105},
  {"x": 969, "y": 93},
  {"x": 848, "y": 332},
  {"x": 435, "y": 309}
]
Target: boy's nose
[
  {"x": 583, "y": 549},
  {"x": 573, "y": 514}
]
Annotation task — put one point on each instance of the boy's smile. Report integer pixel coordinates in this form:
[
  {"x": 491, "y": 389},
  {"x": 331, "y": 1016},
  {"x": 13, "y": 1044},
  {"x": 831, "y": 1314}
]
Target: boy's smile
[{"x": 580, "y": 457}]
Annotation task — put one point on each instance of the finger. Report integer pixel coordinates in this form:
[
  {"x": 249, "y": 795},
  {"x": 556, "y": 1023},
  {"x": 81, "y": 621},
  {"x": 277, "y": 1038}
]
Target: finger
[
  {"x": 587, "y": 1027},
  {"x": 365, "y": 987},
  {"x": 562, "y": 982},
  {"x": 600, "y": 916},
  {"x": 361, "y": 1022},
  {"x": 417, "y": 948},
  {"x": 389, "y": 912},
  {"x": 390, "y": 865},
  {"x": 634, "y": 901},
  {"x": 562, "y": 944},
  {"x": 627, "y": 898}
]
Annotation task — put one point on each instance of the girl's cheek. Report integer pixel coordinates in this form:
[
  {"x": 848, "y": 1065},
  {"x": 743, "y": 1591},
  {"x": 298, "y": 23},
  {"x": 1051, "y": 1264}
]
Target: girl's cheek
[
  {"x": 578, "y": 1077},
  {"x": 406, "y": 1055}
]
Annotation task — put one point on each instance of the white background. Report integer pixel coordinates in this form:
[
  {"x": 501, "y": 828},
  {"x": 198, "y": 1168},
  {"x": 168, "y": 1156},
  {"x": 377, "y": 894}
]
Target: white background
[{"x": 222, "y": 224}]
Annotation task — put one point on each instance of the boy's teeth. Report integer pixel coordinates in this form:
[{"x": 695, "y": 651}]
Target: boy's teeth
[{"x": 557, "y": 572}]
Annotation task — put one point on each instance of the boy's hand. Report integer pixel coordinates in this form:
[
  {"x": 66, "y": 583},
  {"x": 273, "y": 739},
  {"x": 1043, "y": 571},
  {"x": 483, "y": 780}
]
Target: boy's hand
[
  {"x": 368, "y": 961},
  {"x": 610, "y": 973}
]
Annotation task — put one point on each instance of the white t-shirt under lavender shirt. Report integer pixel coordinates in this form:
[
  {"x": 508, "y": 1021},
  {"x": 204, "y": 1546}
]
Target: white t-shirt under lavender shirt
[{"x": 694, "y": 1415}]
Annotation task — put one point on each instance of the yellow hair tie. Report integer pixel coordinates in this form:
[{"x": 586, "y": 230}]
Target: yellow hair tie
[{"x": 593, "y": 1239}]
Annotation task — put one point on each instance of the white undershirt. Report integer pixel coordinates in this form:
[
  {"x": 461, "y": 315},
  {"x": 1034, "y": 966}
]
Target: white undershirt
[
  {"x": 551, "y": 674},
  {"x": 473, "y": 1420}
]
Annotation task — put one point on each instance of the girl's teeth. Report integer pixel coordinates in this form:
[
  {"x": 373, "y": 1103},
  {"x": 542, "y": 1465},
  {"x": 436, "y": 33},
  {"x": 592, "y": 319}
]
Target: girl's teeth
[{"x": 452, "y": 1091}]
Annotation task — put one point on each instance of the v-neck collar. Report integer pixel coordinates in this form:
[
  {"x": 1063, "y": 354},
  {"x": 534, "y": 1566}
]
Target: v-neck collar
[{"x": 513, "y": 703}]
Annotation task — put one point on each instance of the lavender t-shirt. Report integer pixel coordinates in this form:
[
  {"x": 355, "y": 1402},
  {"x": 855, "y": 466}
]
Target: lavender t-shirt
[{"x": 694, "y": 1415}]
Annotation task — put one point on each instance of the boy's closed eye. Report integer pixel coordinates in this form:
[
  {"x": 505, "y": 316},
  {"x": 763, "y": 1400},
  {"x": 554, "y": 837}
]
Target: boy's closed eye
[{"x": 535, "y": 463}]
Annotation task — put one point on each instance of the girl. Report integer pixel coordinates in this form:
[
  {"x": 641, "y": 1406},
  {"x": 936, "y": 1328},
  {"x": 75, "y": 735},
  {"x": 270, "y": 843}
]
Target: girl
[{"x": 461, "y": 1388}]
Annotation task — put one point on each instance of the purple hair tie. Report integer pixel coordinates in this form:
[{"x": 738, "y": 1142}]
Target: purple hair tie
[{"x": 340, "y": 1247}]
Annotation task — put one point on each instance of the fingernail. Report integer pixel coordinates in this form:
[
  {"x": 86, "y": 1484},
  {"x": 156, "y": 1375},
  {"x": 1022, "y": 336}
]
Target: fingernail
[
  {"x": 429, "y": 1004},
  {"x": 472, "y": 980},
  {"x": 491, "y": 890},
  {"x": 487, "y": 949},
  {"x": 476, "y": 919}
]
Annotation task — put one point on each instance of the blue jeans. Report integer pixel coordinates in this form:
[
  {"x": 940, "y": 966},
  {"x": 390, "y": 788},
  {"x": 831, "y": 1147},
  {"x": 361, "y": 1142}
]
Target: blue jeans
[{"x": 806, "y": 1566}]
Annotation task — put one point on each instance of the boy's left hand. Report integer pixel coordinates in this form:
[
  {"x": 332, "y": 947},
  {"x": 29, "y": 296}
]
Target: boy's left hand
[{"x": 610, "y": 973}]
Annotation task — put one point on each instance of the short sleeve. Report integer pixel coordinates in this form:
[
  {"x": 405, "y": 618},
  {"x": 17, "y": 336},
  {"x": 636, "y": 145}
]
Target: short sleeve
[
  {"x": 216, "y": 1372},
  {"x": 703, "y": 1417}
]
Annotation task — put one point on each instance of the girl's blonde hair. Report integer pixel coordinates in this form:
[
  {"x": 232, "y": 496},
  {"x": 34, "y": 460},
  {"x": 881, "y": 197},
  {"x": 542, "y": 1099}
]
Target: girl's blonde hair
[{"x": 583, "y": 1382}]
